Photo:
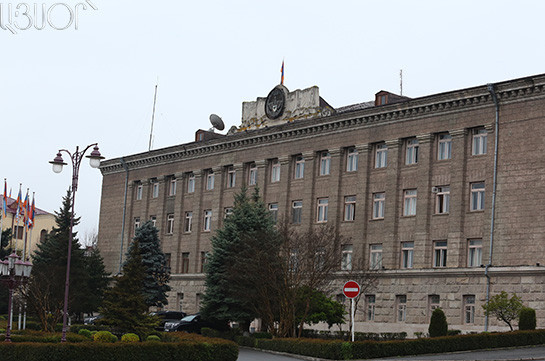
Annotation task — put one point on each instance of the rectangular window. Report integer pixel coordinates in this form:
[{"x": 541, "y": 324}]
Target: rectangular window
[
  {"x": 275, "y": 171},
  {"x": 321, "y": 213},
  {"x": 479, "y": 141},
  {"x": 475, "y": 253},
  {"x": 325, "y": 163},
  {"x": 139, "y": 190},
  {"x": 477, "y": 196},
  {"x": 407, "y": 251},
  {"x": 376, "y": 256},
  {"x": 433, "y": 303},
  {"x": 204, "y": 259},
  {"x": 352, "y": 160},
  {"x": 409, "y": 202},
  {"x": 191, "y": 183},
  {"x": 296, "y": 212},
  {"x": 207, "y": 220},
  {"x": 170, "y": 223},
  {"x": 252, "y": 175},
  {"x": 210, "y": 178},
  {"x": 227, "y": 212},
  {"x": 401, "y": 305},
  {"x": 299, "y": 167},
  {"x": 188, "y": 225},
  {"x": 154, "y": 188},
  {"x": 346, "y": 257},
  {"x": 153, "y": 220},
  {"x": 440, "y": 254},
  {"x": 168, "y": 257},
  {"x": 185, "y": 263},
  {"x": 180, "y": 301},
  {"x": 411, "y": 152},
  {"x": 442, "y": 199},
  {"x": 370, "y": 307},
  {"x": 231, "y": 177},
  {"x": 444, "y": 146},
  {"x": 172, "y": 187},
  {"x": 349, "y": 208},
  {"x": 136, "y": 223},
  {"x": 273, "y": 208},
  {"x": 381, "y": 155},
  {"x": 469, "y": 309},
  {"x": 378, "y": 205}
]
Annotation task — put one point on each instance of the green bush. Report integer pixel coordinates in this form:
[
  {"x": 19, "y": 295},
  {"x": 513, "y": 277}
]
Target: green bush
[
  {"x": 85, "y": 332},
  {"x": 104, "y": 336},
  {"x": 454, "y": 332},
  {"x": 45, "y": 337},
  {"x": 245, "y": 341},
  {"x": 527, "y": 319},
  {"x": 438, "y": 323},
  {"x": 261, "y": 335},
  {"x": 130, "y": 337},
  {"x": 153, "y": 338}
]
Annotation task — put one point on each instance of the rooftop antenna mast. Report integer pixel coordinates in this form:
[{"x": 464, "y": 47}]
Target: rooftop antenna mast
[
  {"x": 153, "y": 115},
  {"x": 401, "y": 82}
]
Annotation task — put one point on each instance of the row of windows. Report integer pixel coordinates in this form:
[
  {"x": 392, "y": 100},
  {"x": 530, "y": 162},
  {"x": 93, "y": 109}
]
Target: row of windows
[
  {"x": 444, "y": 152},
  {"x": 401, "y": 310}
]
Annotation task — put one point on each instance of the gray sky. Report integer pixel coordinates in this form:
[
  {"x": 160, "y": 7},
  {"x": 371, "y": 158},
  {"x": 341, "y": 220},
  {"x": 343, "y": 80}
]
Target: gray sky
[{"x": 62, "y": 88}]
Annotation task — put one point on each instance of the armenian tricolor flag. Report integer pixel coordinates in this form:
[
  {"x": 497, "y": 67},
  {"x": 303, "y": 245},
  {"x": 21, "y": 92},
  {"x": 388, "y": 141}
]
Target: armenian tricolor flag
[
  {"x": 5, "y": 198},
  {"x": 282, "y": 71}
]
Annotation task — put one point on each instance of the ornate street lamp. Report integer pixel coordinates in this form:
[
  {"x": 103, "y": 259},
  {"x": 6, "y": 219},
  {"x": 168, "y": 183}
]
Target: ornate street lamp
[{"x": 58, "y": 163}]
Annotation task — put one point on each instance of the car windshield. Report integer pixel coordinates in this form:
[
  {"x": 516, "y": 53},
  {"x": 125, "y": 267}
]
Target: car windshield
[{"x": 189, "y": 318}]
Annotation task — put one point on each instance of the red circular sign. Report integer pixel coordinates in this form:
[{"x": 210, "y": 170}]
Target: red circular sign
[{"x": 351, "y": 289}]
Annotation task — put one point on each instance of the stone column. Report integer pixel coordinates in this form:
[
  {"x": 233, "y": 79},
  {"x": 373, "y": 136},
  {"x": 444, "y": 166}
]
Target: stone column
[
  {"x": 392, "y": 208},
  {"x": 424, "y": 207},
  {"x": 360, "y": 256}
]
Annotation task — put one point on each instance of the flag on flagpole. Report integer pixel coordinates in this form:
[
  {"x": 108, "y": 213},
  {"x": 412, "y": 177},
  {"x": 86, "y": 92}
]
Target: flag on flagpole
[
  {"x": 32, "y": 212},
  {"x": 282, "y": 71},
  {"x": 18, "y": 202},
  {"x": 25, "y": 209},
  {"x": 5, "y": 198}
]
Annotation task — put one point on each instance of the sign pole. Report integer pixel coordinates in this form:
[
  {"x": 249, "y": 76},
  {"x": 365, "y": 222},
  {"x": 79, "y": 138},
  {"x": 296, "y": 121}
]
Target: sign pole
[
  {"x": 351, "y": 289},
  {"x": 352, "y": 317}
]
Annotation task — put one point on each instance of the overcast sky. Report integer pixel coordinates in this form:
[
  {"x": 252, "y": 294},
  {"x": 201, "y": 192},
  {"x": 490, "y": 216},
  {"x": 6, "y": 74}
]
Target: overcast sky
[{"x": 63, "y": 88}]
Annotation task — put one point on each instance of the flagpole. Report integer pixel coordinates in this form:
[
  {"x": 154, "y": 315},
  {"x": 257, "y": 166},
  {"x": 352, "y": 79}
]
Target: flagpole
[{"x": 32, "y": 215}]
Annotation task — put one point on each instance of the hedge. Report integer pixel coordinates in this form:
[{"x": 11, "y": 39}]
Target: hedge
[{"x": 340, "y": 350}]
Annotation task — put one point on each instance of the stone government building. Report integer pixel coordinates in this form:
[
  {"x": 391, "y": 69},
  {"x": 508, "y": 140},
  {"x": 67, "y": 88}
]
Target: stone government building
[{"x": 410, "y": 182}]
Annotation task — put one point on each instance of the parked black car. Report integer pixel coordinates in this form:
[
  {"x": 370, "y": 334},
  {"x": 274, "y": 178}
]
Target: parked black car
[
  {"x": 167, "y": 316},
  {"x": 192, "y": 323}
]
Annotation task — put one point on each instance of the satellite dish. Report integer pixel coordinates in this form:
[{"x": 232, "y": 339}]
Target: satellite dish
[{"x": 216, "y": 122}]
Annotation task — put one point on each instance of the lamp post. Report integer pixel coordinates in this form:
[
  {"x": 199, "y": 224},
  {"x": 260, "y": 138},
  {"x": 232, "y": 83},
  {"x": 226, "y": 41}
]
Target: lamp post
[
  {"x": 13, "y": 272},
  {"x": 58, "y": 163}
]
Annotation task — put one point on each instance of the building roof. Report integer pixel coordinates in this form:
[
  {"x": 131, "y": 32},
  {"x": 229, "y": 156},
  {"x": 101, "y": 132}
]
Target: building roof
[{"x": 12, "y": 207}]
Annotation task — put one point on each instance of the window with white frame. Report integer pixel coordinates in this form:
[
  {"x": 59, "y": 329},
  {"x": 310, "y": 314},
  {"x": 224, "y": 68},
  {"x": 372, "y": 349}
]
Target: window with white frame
[
  {"x": 444, "y": 146},
  {"x": 227, "y": 211},
  {"x": 475, "y": 253},
  {"x": 352, "y": 160},
  {"x": 154, "y": 188},
  {"x": 411, "y": 151},
  {"x": 407, "y": 251},
  {"x": 375, "y": 261},
  {"x": 319, "y": 258},
  {"x": 433, "y": 303},
  {"x": 136, "y": 223},
  {"x": 207, "y": 224},
  {"x": 401, "y": 308},
  {"x": 378, "y": 205},
  {"x": 321, "y": 211},
  {"x": 325, "y": 163},
  {"x": 170, "y": 223},
  {"x": 440, "y": 254},
  {"x": 204, "y": 261},
  {"x": 477, "y": 196},
  {"x": 296, "y": 212},
  {"x": 294, "y": 260},
  {"x": 191, "y": 183},
  {"x": 273, "y": 209},
  {"x": 185, "y": 263},
  {"x": 188, "y": 224},
  {"x": 180, "y": 301},
  {"x": 299, "y": 167},
  {"x": 210, "y": 178},
  {"x": 349, "y": 208},
  {"x": 346, "y": 257},
  {"x": 153, "y": 220},
  {"x": 479, "y": 141},
  {"x": 168, "y": 257},
  {"x": 442, "y": 199},
  {"x": 231, "y": 177},
  {"x": 275, "y": 171},
  {"x": 370, "y": 301},
  {"x": 172, "y": 187},
  {"x": 139, "y": 191},
  {"x": 469, "y": 309},
  {"x": 381, "y": 155},
  {"x": 409, "y": 202},
  {"x": 252, "y": 175}
]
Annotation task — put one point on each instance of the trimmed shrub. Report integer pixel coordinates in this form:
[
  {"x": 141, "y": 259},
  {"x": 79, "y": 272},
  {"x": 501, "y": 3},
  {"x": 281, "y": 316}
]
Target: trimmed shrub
[
  {"x": 153, "y": 338},
  {"x": 245, "y": 341},
  {"x": 85, "y": 332},
  {"x": 130, "y": 337},
  {"x": 454, "y": 332},
  {"x": 527, "y": 319},
  {"x": 261, "y": 335},
  {"x": 104, "y": 336},
  {"x": 438, "y": 323}
]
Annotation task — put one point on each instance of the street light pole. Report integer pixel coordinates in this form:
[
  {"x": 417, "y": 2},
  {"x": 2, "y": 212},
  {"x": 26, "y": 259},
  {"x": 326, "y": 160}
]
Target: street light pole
[{"x": 58, "y": 163}]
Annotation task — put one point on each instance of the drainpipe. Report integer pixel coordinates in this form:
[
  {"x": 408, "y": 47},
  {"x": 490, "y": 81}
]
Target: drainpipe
[
  {"x": 126, "y": 167},
  {"x": 492, "y": 91}
]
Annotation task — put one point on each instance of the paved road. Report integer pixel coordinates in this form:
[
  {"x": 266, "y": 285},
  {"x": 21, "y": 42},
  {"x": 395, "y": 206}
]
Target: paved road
[{"x": 252, "y": 355}]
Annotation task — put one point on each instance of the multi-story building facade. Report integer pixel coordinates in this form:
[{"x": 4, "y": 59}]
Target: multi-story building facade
[{"x": 442, "y": 196}]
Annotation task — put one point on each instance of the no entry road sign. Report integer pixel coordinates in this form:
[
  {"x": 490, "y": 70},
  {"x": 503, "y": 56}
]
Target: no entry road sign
[{"x": 351, "y": 289}]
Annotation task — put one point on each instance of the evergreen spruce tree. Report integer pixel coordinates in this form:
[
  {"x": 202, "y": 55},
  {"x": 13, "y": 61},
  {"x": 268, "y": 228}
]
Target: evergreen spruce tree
[
  {"x": 438, "y": 323},
  {"x": 155, "y": 264},
  {"x": 124, "y": 305},
  {"x": 97, "y": 280}
]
